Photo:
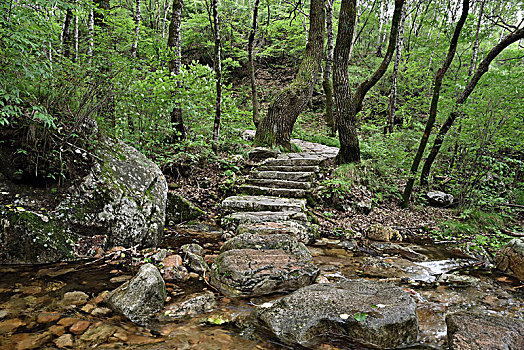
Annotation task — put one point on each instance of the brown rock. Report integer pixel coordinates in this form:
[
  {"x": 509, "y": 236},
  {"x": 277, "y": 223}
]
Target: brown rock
[
  {"x": 101, "y": 311},
  {"x": 75, "y": 298},
  {"x": 33, "y": 341},
  {"x": 172, "y": 260},
  {"x": 510, "y": 258},
  {"x": 79, "y": 327},
  {"x": 68, "y": 321},
  {"x": 9, "y": 326},
  {"x": 57, "y": 330},
  {"x": 100, "y": 297},
  {"x": 47, "y": 317},
  {"x": 120, "y": 335},
  {"x": 383, "y": 233},
  {"x": 64, "y": 341},
  {"x": 87, "y": 308},
  {"x": 98, "y": 333},
  {"x": 470, "y": 331},
  {"x": 30, "y": 289},
  {"x": 120, "y": 279}
]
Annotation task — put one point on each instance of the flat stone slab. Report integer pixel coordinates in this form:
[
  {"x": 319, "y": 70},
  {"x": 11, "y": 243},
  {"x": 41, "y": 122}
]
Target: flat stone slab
[
  {"x": 281, "y": 241},
  {"x": 361, "y": 312},
  {"x": 277, "y": 183},
  {"x": 283, "y": 175},
  {"x": 263, "y": 203},
  {"x": 291, "y": 168},
  {"x": 295, "y": 160},
  {"x": 274, "y": 192},
  {"x": 298, "y": 230},
  {"x": 250, "y": 272},
  {"x": 233, "y": 220},
  {"x": 470, "y": 331}
]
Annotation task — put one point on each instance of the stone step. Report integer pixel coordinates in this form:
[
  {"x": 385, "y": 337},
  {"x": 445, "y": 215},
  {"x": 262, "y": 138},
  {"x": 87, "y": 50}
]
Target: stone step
[
  {"x": 263, "y": 203},
  {"x": 302, "y": 231},
  {"x": 270, "y": 191},
  {"x": 291, "y": 168},
  {"x": 283, "y": 175},
  {"x": 232, "y": 221},
  {"x": 298, "y": 161},
  {"x": 276, "y": 183},
  {"x": 251, "y": 272}
]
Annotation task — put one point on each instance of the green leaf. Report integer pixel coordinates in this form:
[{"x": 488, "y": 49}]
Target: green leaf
[{"x": 360, "y": 316}]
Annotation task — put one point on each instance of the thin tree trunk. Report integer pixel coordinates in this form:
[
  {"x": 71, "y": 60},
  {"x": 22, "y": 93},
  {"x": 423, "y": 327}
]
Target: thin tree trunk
[
  {"x": 251, "y": 65},
  {"x": 461, "y": 99},
  {"x": 75, "y": 32},
  {"x": 382, "y": 32},
  {"x": 347, "y": 104},
  {"x": 392, "y": 105},
  {"x": 327, "y": 84},
  {"x": 91, "y": 35},
  {"x": 174, "y": 43},
  {"x": 434, "y": 104},
  {"x": 476, "y": 44},
  {"x": 138, "y": 16},
  {"x": 164, "y": 20},
  {"x": 275, "y": 129},
  {"x": 218, "y": 72},
  {"x": 65, "y": 37}
]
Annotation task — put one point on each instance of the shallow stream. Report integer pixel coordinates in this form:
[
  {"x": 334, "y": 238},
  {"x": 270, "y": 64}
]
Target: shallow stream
[{"x": 440, "y": 278}]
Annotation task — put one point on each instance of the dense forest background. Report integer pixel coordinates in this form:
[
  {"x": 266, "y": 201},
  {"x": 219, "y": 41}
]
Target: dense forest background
[{"x": 73, "y": 70}]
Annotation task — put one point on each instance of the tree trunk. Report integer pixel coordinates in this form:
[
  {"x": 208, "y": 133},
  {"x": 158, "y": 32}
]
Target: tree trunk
[
  {"x": 392, "y": 105},
  {"x": 382, "y": 33},
  {"x": 65, "y": 37},
  {"x": 476, "y": 44},
  {"x": 275, "y": 129},
  {"x": 327, "y": 84},
  {"x": 91, "y": 35},
  {"x": 251, "y": 65},
  {"x": 75, "y": 32},
  {"x": 138, "y": 16},
  {"x": 174, "y": 43},
  {"x": 347, "y": 105},
  {"x": 218, "y": 72},
  {"x": 461, "y": 99},
  {"x": 434, "y": 104}
]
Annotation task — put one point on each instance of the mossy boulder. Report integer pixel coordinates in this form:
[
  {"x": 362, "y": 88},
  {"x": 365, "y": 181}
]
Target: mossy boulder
[
  {"x": 32, "y": 237},
  {"x": 180, "y": 210},
  {"x": 124, "y": 197}
]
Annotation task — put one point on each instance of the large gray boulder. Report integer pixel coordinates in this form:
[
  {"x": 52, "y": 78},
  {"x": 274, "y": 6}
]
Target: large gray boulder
[
  {"x": 141, "y": 297},
  {"x": 264, "y": 242},
  {"x": 470, "y": 331},
  {"x": 250, "y": 272},
  {"x": 440, "y": 199},
  {"x": 123, "y": 196},
  {"x": 510, "y": 258},
  {"x": 362, "y": 312}
]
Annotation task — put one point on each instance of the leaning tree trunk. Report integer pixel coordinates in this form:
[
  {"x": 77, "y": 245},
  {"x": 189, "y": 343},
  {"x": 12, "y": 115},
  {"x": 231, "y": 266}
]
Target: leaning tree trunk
[
  {"x": 327, "y": 84},
  {"x": 392, "y": 105},
  {"x": 276, "y": 128},
  {"x": 251, "y": 65},
  {"x": 174, "y": 43},
  {"x": 218, "y": 72},
  {"x": 434, "y": 104},
  {"x": 347, "y": 104},
  {"x": 461, "y": 99}
]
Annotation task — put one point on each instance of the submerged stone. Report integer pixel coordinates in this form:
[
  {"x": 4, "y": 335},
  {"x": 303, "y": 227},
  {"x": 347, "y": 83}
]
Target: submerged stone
[{"x": 359, "y": 311}]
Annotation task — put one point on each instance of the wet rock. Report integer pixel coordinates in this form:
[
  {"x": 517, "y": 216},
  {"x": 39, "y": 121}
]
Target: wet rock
[
  {"x": 193, "y": 248},
  {"x": 300, "y": 231},
  {"x": 3, "y": 314},
  {"x": 383, "y": 233},
  {"x": 193, "y": 305},
  {"x": 258, "y": 154},
  {"x": 31, "y": 237},
  {"x": 376, "y": 267},
  {"x": 9, "y": 326},
  {"x": 124, "y": 196},
  {"x": 74, "y": 298},
  {"x": 101, "y": 312},
  {"x": 264, "y": 242},
  {"x": 359, "y": 311},
  {"x": 180, "y": 209},
  {"x": 457, "y": 280},
  {"x": 120, "y": 279},
  {"x": 68, "y": 321},
  {"x": 64, "y": 341},
  {"x": 140, "y": 298},
  {"x": 79, "y": 327},
  {"x": 98, "y": 333},
  {"x": 47, "y": 317},
  {"x": 350, "y": 245},
  {"x": 175, "y": 273},
  {"x": 470, "y": 331},
  {"x": 510, "y": 258},
  {"x": 33, "y": 341},
  {"x": 396, "y": 249},
  {"x": 249, "y": 272},
  {"x": 440, "y": 199},
  {"x": 57, "y": 330},
  {"x": 196, "y": 263}
]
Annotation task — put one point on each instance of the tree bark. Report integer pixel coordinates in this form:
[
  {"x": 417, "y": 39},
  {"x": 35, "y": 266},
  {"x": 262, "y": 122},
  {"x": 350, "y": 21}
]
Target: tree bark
[
  {"x": 91, "y": 35},
  {"x": 392, "y": 105},
  {"x": 382, "y": 33},
  {"x": 174, "y": 43},
  {"x": 347, "y": 104},
  {"x": 75, "y": 32},
  {"x": 218, "y": 72},
  {"x": 476, "y": 44},
  {"x": 65, "y": 37},
  {"x": 434, "y": 104},
  {"x": 276, "y": 128},
  {"x": 138, "y": 17},
  {"x": 461, "y": 99},
  {"x": 327, "y": 84},
  {"x": 251, "y": 65}
]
